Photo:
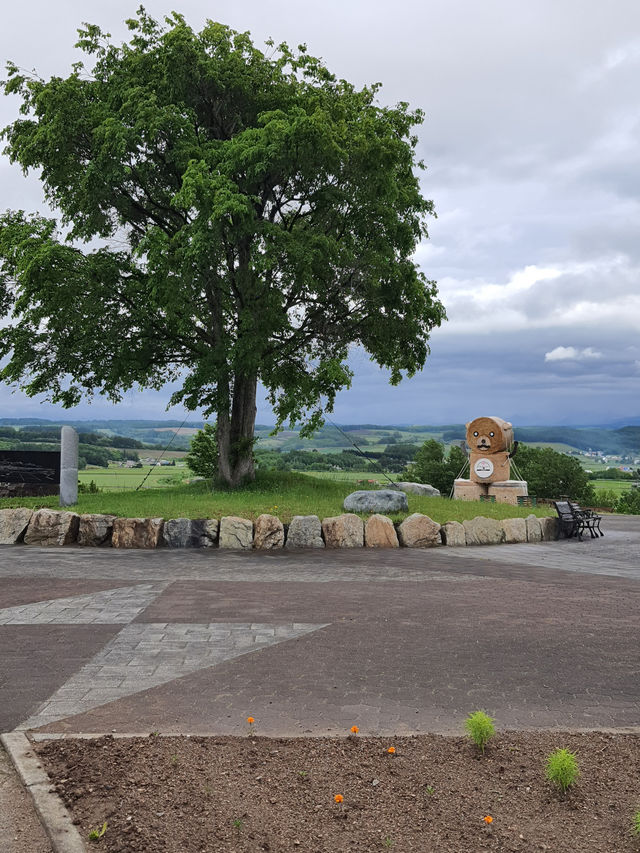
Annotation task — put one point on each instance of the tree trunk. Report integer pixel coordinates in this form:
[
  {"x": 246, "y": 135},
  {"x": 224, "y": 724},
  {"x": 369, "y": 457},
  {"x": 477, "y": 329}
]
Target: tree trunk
[{"x": 235, "y": 434}]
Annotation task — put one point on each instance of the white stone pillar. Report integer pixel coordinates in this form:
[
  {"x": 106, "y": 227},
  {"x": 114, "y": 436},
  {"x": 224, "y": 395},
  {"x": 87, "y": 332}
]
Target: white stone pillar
[{"x": 68, "y": 466}]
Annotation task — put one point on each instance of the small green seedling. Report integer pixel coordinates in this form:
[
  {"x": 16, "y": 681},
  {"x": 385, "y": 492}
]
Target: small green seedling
[
  {"x": 635, "y": 824},
  {"x": 562, "y": 768},
  {"x": 96, "y": 834},
  {"x": 430, "y": 789},
  {"x": 302, "y": 774},
  {"x": 480, "y": 727},
  {"x": 388, "y": 842},
  {"x": 237, "y": 824}
]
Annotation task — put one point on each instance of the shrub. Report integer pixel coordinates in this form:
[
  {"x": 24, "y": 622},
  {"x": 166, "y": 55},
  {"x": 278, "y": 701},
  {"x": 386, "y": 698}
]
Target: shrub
[
  {"x": 480, "y": 728},
  {"x": 607, "y": 498},
  {"x": 629, "y": 502},
  {"x": 562, "y": 768}
]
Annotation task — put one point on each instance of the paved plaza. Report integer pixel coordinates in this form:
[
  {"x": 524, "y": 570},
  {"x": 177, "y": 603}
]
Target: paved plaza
[{"x": 400, "y": 641}]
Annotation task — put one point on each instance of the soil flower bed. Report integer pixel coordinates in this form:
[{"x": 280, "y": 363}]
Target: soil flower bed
[{"x": 195, "y": 794}]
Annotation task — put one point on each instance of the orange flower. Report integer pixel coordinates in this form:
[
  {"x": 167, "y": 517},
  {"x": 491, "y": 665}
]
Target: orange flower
[
  {"x": 354, "y": 730},
  {"x": 338, "y": 798},
  {"x": 250, "y": 720},
  {"x": 392, "y": 750},
  {"x": 488, "y": 819}
]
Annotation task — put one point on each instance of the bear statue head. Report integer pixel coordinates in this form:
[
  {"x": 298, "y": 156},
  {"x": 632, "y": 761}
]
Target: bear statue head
[{"x": 489, "y": 435}]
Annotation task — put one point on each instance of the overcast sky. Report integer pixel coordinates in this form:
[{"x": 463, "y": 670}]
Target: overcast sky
[{"x": 532, "y": 142}]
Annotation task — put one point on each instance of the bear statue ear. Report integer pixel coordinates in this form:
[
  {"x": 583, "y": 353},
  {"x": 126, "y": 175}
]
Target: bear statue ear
[
  {"x": 466, "y": 426},
  {"x": 508, "y": 425}
]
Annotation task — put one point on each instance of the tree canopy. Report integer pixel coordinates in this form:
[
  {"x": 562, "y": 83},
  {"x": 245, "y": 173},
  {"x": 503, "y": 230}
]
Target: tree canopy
[
  {"x": 432, "y": 466},
  {"x": 226, "y": 216},
  {"x": 551, "y": 475}
]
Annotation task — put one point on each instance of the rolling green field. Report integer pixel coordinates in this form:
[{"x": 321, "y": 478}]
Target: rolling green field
[
  {"x": 617, "y": 486},
  {"x": 278, "y": 493},
  {"x": 114, "y": 479}
]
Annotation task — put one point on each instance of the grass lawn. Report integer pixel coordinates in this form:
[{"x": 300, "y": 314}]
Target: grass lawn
[{"x": 278, "y": 493}]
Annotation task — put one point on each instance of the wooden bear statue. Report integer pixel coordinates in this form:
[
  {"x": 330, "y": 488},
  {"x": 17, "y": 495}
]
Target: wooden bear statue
[{"x": 490, "y": 442}]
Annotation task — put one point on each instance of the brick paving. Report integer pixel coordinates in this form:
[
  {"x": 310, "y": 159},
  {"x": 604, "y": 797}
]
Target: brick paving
[{"x": 406, "y": 641}]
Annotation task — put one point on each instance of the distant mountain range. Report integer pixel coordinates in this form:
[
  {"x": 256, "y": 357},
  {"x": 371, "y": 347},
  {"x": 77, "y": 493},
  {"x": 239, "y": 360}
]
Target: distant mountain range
[{"x": 615, "y": 438}]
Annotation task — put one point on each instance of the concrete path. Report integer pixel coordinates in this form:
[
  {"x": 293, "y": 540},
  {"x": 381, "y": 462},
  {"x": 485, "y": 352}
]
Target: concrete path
[{"x": 313, "y": 642}]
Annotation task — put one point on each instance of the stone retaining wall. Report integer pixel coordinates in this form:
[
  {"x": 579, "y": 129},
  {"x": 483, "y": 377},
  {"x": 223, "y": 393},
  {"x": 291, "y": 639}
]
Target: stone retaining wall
[{"x": 51, "y": 527}]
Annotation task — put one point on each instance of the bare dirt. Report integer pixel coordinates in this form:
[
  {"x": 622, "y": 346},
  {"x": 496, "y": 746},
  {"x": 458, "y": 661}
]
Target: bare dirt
[{"x": 222, "y": 794}]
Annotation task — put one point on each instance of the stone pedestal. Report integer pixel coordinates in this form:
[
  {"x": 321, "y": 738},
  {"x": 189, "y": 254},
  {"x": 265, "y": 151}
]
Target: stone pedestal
[
  {"x": 68, "y": 466},
  {"x": 508, "y": 491},
  {"x": 467, "y": 490}
]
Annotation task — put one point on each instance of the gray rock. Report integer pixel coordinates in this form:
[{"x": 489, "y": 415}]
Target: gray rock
[
  {"x": 268, "y": 533},
  {"x": 483, "y": 531},
  {"x": 13, "y": 524},
  {"x": 419, "y": 531},
  {"x": 383, "y": 501},
  {"x": 550, "y": 528},
  {"x": 534, "y": 529},
  {"x": 48, "y": 527},
  {"x": 379, "y": 532},
  {"x": 305, "y": 531},
  {"x": 190, "y": 532},
  {"x": 343, "y": 531},
  {"x": 419, "y": 489},
  {"x": 236, "y": 533},
  {"x": 137, "y": 532},
  {"x": 95, "y": 530},
  {"x": 453, "y": 534},
  {"x": 515, "y": 530}
]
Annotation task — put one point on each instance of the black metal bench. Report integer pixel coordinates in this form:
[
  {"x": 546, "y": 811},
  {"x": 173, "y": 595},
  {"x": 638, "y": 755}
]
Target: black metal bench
[
  {"x": 570, "y": 525},
  {"x": 574, "y": 520},
  {"x": 590, "y": 519}
]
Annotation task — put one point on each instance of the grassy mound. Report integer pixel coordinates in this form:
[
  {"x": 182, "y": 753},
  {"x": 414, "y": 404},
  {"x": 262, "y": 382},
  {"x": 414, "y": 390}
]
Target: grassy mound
[{"x": 283, "y": 494}]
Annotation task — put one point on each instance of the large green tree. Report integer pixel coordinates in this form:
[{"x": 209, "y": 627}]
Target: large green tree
[{"x": 225, "y": 217}]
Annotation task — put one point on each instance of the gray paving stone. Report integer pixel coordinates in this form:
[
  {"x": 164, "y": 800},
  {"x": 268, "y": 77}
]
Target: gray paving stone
[
  {"x": 131, "y": 662},
  {"x": 116, "y": 606}
]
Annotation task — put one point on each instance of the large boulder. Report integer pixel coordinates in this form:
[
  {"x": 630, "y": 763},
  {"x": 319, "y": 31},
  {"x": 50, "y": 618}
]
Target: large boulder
[
  {"x": 136, "y": 532},
  {"x": 483, "y": 531},
  {"x": 453, "y": 534},
  {"x": 268, "y": 533},
  {"x": 95, "y": 530},
  {"x": 343, "y": 531},
  {"x": 236, "y": 533},
  {"x": 383, "y": 500},
  {"x": 534, "y": 529},
  {"x": 13, "y": 524},
  {"x": 550, "y": 528},
  {"x": 419, "y": 489},
  {"x": 515, "y": 530},
  {"x": 305, "y": 531},
  {"x": 379, "y": 532},
  {"x": 190, "y": 532},
  {"x": 49, "y": 527},
  {"x": 419, "y": 531}
]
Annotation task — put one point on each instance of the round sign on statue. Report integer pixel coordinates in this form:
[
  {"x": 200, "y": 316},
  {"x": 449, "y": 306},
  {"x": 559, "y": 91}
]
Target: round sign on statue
[{"x": 483, "y": 467}]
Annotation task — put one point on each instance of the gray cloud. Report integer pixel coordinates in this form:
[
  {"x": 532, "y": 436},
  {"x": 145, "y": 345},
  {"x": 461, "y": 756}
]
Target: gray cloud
[{"x": 532, "y": 143}]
